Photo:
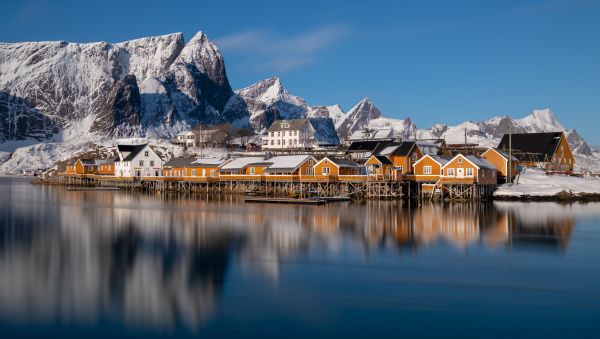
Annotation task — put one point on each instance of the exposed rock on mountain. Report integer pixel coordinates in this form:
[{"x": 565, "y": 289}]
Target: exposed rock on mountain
[
  {"x": 578, "y": 145},
  {"x": 357, "y": 118},
  {"x": 18, "y": 121},
  {"x": 120, "y": 113},
  {"x": 70, "y": 83},
  {"x": 259, "y": 104}
]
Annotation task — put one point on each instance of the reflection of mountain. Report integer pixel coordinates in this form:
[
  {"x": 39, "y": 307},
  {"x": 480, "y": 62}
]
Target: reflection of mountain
[{"x": 163, "y": 261}]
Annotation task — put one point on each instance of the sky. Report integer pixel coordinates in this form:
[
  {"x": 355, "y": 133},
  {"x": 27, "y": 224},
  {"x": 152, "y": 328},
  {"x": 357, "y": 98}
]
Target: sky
[{"x": 432, "y": 61}]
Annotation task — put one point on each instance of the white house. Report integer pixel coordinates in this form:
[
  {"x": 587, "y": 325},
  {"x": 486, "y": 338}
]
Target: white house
[
  {"x": 289, "y": 134},
  {"x": 186, "y": 138},
  {"x": 137, "y": 161}
]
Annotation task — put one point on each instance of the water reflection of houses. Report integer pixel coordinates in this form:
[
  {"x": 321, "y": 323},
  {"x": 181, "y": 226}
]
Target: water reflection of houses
[{"x": 163, "y": 260}]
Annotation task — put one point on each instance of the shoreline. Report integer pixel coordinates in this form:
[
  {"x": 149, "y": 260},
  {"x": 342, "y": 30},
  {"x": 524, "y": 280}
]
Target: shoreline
[{"x": 563, "y": 196}]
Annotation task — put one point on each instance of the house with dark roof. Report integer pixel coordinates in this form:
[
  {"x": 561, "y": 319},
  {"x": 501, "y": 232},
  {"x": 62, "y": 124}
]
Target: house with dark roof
[
  {"x": 402, "y": 155},
  {"x": 428, "y": 169},
  {"x": 380, "y": 167},
  {"x": 550, "y": 151},
  {"x": 362, "y": 150},
  {"x": 306, "y": 133},
  {"x": 137, "y": 161}
]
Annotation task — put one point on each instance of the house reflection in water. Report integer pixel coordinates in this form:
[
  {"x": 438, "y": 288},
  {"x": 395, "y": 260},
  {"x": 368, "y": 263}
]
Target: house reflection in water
[{"x": 163, "y": 260}]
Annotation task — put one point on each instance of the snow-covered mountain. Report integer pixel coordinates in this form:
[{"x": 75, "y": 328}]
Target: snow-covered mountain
[
  {"x": 45, "y": 87},
  {"x": 77, "y": 94}
]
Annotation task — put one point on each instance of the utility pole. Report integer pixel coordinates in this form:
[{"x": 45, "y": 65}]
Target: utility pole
[{"x": 509, "y": 179}]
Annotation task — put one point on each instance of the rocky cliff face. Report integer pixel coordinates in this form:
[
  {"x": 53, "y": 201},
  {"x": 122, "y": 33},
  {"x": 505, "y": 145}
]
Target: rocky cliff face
[
  {"x": 68, "y": 84},
  {"x": 357, "y": 118},
  {"x": 120, "y": 114}
]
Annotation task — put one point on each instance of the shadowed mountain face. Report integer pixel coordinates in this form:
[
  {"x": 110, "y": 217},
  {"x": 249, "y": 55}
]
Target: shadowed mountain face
[
  {"x": 71, "y": 83},
  {"x": 19, "y": 121}
]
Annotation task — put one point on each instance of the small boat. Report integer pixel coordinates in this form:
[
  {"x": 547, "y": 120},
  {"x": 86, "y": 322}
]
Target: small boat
[{"x": 298, "y": 201}]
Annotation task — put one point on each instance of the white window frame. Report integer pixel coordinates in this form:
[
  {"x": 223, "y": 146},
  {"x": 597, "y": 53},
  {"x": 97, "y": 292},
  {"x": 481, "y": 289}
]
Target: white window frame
[
  {"x": 325, "y": 170},
  {"x": 427, "y": 169},
  {"x": 469, "y": 172}
]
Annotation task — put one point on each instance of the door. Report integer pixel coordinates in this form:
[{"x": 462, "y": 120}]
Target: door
[{"x": 460, "y": 172}]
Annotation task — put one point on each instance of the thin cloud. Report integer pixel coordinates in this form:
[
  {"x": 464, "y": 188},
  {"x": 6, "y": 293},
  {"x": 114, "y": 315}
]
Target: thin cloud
[{"x": 269, "y": 51}]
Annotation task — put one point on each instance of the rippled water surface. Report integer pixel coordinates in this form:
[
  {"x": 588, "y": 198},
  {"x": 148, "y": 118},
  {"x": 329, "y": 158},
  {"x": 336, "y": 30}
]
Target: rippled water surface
[{"x": 98, "y": 264}]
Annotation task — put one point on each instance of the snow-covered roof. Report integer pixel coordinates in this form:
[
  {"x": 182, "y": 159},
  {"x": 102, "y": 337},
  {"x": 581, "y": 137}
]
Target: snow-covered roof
[
  {"x": 286, "y": 163},
  {"x": 373, "y": 134},
  {"x": 95, "y": 162},
  {"x": 209, "y": 161},
  {"x": 239, "y": 163},
  {"x": 185, "y": 133},
  {"x": 388, "y": 150},
  {"x": 480, "y": 162}
]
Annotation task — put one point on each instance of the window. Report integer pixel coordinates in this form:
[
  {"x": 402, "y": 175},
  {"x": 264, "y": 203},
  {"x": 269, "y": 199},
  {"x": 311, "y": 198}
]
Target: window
[
  {"x": 278, "y": 142},
  {"x": 442, "y": 171},
  {"x": 450, "y": 171},
  {"x": 90, "y": 168},
  {"x": 310, "y": 162},
  {"x": 251, "y": 170},
  {"x": 325, "y": 170},
  {"x": 272, "y": 134},
  {"x": 290, "y": 142},
  {"x": 285, "y": 125},
  {"x": 426, "y": 169},
  {"x": 212, "y": 173},
  {"x": 284, "y": 141},
  {"x": 310, "y": 171},
  {"x": 146, "y": 153},
  {"x": 194, "y": 173},
  {"x": 278, "y": 134},
  {"x": 460, "y": 160},
  {"x": 204, "y": 172},
  {"x": 272, "y": 142},
  {"x": 469, "y": 171},
  {"x": 151, "y": 163},
  {"x": 295, "y": 132},
  {"x": 141, "y": 162}
]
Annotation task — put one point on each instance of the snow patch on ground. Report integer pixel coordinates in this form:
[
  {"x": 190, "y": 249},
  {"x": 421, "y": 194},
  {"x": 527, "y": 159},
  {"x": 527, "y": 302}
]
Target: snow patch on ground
[{"x": 534, "y": 182}]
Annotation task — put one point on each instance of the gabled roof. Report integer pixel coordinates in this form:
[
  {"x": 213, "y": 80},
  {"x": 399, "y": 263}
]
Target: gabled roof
[
  {"x": 476, "y": 161},
  {"x": 133, "y": 150},
  {"x": 286, "y": 163},
  {"x": 186, "y": 133},
  {"x": 341, "y": 162},
  {"x": 363, "y": 146},
  {"x": 294, "y": 124},
  {"x": 373, "y": 134},
  {"x": 240, "y": 163},
  {"x": 402, "y": 149},
  {"x": 442, "y": 160},
  {"x": 179, "y": 162},
  {"x": 93, "y": 162},
  {"x": 539, "y": 146},
  {"x": 383, "y": 159},
  {"x": 502, "y": 153}
]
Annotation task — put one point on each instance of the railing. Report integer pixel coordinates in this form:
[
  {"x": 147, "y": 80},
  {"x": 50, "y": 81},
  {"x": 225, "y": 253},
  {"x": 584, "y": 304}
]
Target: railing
[
  {"x": 458, "y": 180},
  {"x": 240, "y": 177},
  {"x": 282, "y": 177}
]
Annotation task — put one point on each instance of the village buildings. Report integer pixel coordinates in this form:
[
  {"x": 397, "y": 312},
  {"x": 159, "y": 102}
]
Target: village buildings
[
  {"x": 549, "y": 151},
  {"x": 297, "y": 134},
  {"x": 137, "y": 161}
]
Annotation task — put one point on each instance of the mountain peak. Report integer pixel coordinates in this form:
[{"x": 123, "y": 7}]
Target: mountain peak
[{"x": 542, "y": 119}]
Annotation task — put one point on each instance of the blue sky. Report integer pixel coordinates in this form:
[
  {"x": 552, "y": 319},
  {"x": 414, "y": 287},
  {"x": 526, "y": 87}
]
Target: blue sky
[{"x": 435, "y": 61}]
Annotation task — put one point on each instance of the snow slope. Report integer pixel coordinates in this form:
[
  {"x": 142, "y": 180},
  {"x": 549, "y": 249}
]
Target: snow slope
[{"x": 534, "y": 182}]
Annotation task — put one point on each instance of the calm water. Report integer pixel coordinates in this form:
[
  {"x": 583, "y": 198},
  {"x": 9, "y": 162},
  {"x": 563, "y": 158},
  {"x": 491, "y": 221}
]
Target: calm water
[{"x": 98, "y": 264}]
